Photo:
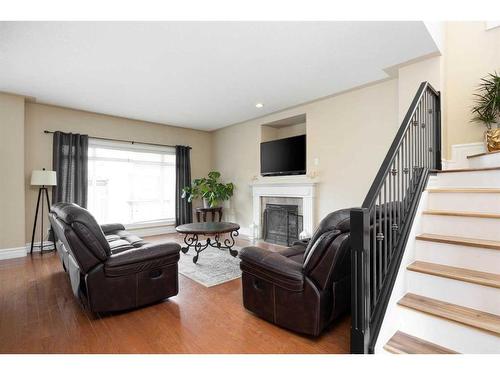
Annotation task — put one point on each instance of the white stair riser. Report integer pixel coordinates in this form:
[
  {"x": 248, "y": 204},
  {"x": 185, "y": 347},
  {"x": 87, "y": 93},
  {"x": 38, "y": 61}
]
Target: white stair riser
[
  {"x": 485, "y": 161},
  {"x": 482, "y": 179},
  {"x": 470, "y": 202},
  {"x": 458, "y": 292},
  {"x": 451, "y": 335},
  {"x": 471, "y": 227},
  {"x": 485, "y": 260}
]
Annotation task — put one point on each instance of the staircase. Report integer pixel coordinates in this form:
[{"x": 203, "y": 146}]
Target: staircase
[{"x": 449, "y": 301}]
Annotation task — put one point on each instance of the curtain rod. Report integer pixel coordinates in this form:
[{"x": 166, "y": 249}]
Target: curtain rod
[{"x": 121, "y": 140}]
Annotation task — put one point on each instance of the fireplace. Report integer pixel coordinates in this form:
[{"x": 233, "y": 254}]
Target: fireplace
[
  {"x": 282, "y": 224},
  {"x": 296, "y": 190}
]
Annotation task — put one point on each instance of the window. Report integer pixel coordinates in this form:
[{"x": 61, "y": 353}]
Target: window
[{"x": 131, "y": 183}]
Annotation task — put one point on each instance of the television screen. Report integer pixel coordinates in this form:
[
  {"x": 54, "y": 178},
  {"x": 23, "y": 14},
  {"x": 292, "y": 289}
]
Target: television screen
[{"x": 285, "y": 156}]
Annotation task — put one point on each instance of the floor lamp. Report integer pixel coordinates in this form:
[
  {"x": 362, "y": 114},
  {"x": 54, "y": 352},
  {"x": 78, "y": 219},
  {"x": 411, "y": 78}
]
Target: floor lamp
[{"x": 42, "y": 179}]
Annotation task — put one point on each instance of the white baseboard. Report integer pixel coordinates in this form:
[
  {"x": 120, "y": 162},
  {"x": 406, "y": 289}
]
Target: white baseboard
[
  {"x": 11, "y": 253},
  {"x": 460, "y": 152},
  {"x": 47, "y": 246},
  {"x": 246, "y": 232},
  {"x": 447, "y": 164}
]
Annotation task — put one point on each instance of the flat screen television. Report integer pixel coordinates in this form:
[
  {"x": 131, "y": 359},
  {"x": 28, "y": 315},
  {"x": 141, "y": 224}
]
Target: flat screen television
[{"x": 283, "y": 157}]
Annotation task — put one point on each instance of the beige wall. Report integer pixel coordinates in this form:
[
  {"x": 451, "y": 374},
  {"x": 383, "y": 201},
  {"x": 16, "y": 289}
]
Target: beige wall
[
  {"x": 292, "y": 130},
  {"x": 410, "y": 77},
  {"x": 471, "y": 52},
  {"x": 270, "y": 133},
  {"x": 38, "y": 150},
  {"x": 11, "y": 167},
  {"x": 349, "y": 133}
]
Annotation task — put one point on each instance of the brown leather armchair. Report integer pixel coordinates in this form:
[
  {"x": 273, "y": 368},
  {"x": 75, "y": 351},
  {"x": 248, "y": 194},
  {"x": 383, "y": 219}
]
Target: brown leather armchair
[
  {"x": 109, "y": 268},
  {"x": 304, "y": 287}
]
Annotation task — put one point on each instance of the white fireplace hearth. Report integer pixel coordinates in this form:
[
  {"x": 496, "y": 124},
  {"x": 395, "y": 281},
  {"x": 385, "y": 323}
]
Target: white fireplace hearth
[{"x": 297, "y": 189}]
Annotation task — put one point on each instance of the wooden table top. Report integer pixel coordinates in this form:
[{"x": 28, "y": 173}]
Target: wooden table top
[
  {"x": 208, "y": 209},
  {"x": 207, "y": 228}
]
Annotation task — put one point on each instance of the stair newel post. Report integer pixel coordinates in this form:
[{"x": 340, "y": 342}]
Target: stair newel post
[
  {"x": 438, "y": 132},
  {"x": 360, "y": 280}
]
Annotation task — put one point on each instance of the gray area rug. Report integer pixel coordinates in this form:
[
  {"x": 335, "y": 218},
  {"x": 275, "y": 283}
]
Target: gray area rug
[{"x": 214, "y": 266}]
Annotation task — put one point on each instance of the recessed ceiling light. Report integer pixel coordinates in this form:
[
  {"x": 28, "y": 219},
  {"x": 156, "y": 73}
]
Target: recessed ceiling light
[{"x": 259, "y": 105}]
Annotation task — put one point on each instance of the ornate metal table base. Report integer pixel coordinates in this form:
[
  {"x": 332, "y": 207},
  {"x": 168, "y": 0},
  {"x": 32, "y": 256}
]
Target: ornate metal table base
[{"x": 192, "y": 241}]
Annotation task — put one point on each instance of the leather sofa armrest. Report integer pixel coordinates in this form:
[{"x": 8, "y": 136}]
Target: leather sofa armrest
[
  {"x": 109, "y": 228},
  {"x": 145, "y": 253},
  {"x": 272, "y": 267}
]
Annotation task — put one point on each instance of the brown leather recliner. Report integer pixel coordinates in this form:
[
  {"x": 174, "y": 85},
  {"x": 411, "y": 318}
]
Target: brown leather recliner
[
  {"x": 109, "y": 268},
  {"x": 304, "y": 287}
]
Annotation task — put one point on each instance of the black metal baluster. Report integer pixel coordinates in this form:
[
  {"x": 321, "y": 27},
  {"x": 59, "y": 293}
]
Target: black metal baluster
[
  {"x": 419, "y": 132},
  {"x": 389, "y": 224},
  {"x": 374, "y": 254},
  {"x": 433, "y": 133},
  {"x": 384, "y": 222},
  {"x": 412, "y": 143},
  {"x": 380, "y": 244},
  {"x": 407, "y": 167},
  {"x": 424, "y": 146},
  {"x": 398, "y": 197}
]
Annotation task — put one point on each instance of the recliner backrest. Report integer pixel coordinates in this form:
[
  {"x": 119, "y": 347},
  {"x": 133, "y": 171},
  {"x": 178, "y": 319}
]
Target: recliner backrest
[
  {"x": 81, "y": 233},
  {"x": 324, "y": 258}
]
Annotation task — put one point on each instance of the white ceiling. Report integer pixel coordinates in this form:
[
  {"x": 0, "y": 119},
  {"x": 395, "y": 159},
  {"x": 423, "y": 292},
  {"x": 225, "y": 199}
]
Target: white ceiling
[{"x": 203, "y": 75}]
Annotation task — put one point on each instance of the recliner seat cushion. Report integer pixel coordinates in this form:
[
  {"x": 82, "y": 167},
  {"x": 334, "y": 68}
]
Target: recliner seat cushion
[
  {"x": 295, "y": 252},
  {"x": 119, "y": 245},
  {"x": 136, "y": 241},
  {"x": 272, "y": 267},
  {"x": 120, "y": 240}
]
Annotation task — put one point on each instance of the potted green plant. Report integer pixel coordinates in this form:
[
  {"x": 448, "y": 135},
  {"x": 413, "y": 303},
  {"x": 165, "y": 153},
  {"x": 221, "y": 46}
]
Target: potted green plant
[
  {"x": 209, "y": 189},
  {"x": 486, "y": 109}
]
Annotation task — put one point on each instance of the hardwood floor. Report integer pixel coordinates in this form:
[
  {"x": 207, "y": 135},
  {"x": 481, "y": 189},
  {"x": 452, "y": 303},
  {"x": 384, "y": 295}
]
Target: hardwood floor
[{"x": 39, "y": 314}]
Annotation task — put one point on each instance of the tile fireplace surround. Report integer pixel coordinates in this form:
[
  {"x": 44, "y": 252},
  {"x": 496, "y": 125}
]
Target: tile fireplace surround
[{"x": 284, "y": 187}]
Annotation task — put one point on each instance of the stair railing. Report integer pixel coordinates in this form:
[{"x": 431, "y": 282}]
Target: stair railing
[{"x": 381, "y": 226}]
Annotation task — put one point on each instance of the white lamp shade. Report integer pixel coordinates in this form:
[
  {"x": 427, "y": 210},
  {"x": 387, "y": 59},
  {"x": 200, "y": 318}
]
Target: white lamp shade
[{"x": 47, "y": 178}]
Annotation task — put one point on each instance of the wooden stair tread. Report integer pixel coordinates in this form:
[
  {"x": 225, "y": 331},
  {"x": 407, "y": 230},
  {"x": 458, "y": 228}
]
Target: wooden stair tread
[
  {"x": 464, "y": 241},
  {"x": 483, "y": 215},
  {"x": 466, "y": 170},
  {"x": 403, "y": 343},
  {"x": 464, "y": 190},
  {"x": 456, "y": 273},
  {"x": 464, "y": 315}
]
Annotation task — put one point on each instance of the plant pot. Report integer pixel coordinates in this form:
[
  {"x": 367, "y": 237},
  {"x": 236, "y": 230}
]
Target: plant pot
[
  {"x": 206, "y": 204},
  {"x": 492, "y": 138}
]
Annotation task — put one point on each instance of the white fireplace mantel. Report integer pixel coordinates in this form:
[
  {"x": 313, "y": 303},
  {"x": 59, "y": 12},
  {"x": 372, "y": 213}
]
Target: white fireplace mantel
[{"x": 286, "y": 187}]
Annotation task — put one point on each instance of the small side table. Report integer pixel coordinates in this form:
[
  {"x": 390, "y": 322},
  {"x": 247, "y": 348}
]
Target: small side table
[{"x": 203, "y": 211}]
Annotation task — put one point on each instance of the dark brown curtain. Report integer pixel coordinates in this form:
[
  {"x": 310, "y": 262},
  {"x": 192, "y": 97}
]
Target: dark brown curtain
[
  {"x": 70, "y": 161},
  {"x": 183, "y": 209}
]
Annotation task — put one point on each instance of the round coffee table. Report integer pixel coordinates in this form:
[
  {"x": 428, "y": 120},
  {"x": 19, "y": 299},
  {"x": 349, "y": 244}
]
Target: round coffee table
[{"x": 192, "y": 232}]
